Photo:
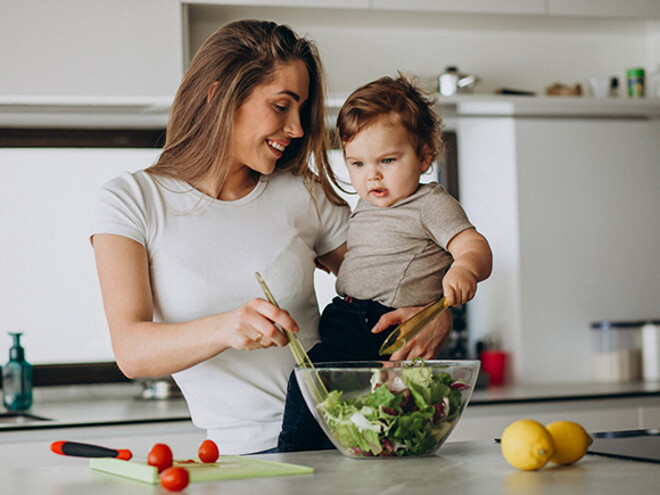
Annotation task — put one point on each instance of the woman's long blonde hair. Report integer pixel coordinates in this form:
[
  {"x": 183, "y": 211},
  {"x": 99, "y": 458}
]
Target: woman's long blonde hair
[{"x": 238, "y": 57}]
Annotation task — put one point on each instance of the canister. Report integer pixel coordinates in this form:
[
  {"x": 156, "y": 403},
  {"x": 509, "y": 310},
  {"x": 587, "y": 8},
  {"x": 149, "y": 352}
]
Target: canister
[
  {"x": 617, "y": 351},
  {"x": 635, "y": 83},
  {"x": 651, "y": 350}
]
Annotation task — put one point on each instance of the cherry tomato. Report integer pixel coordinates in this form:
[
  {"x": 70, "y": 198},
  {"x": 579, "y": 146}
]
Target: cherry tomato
[
  {"x": 174, "y": 478},
  {"x": 208, "y": 451},
  {"x": 160, "y": 456}
]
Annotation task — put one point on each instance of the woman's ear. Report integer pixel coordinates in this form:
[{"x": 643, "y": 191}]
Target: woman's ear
[{"x": 211, "y": 91}]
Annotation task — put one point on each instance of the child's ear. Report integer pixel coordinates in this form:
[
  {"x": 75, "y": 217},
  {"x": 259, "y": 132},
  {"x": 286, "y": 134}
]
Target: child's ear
[{"x": 426, "y": 158}]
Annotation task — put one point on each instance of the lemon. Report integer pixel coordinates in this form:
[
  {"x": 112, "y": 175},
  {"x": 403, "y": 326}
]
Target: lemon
[
  {"x": 571, "y": 441},
  {"x": 527, "y": 445}
]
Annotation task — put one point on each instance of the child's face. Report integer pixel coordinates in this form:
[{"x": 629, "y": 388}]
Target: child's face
[{"x": 382, "y": 163}]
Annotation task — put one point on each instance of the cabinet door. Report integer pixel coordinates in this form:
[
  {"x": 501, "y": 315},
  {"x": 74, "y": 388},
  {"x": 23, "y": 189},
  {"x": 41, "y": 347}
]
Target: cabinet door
[
  {"x": 650, "y": 417},
  {"x": 641, "y": 9},
  {"x": 329, "y": 4},
  {"x": 113, "y": 48},
  {"x": 465, "y": 6},
  {"x": 484, "y": 422}
]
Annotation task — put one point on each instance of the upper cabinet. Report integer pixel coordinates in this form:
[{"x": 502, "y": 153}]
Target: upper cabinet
[
  {"x": 77, "y": 58},
  {"x": 334, "y": 4},
  {"x": 465, "y": 6},
  {"x": 122, "y": 48},
  {"x": 623, "y": 9},
  {"x": 118, "y": 63}
]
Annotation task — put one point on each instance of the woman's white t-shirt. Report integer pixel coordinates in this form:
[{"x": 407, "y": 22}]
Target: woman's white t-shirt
[{"x": 203, "y": 255}]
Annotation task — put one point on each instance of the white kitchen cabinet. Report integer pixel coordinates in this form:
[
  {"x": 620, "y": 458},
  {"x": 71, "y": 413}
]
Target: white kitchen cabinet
[
  {"x": 650, "y": 417},
  {"x": 486, "y": 422},
  {"x": 334, "y": 4},
  {"x": 569, "y": 206},
  {"x": 107, "y": 50},
  {"x": 528, "y": 7},
  {"x": 623, "y": 9}
]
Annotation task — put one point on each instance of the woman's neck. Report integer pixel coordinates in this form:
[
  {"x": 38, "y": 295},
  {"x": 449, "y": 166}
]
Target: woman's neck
[{"x": 237, "y": 185}]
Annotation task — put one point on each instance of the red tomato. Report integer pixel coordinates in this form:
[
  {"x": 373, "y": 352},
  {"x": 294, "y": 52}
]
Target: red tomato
[
  {"x": 160, "y": 456},
  {"x": 208, "y": 451},
  {"x": 174, "y": 479}
]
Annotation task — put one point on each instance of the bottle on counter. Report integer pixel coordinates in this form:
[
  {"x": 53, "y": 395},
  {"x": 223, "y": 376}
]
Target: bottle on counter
[
  {"x": 614, "y": 87},
  {"x": 17, "y": 378}
]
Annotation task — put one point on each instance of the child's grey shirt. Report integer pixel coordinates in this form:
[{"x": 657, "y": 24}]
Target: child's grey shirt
[{"x": 397, "y": 255}]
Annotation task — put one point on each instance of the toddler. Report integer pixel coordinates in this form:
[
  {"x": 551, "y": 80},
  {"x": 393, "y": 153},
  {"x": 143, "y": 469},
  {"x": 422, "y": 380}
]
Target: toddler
[{"x": 408, "y": 243}]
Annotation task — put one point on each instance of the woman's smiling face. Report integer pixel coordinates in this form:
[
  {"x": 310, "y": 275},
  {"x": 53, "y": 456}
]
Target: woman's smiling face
[{"x": 267, "y": 122}]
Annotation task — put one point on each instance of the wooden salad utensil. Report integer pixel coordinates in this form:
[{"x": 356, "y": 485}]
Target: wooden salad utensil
[
  {"x": 299, "y": 354},
  {"x": 411, "y": 327}
]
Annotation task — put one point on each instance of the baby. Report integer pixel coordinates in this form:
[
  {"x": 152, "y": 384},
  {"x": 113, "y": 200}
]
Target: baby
[{"x": 408, "y": 243}]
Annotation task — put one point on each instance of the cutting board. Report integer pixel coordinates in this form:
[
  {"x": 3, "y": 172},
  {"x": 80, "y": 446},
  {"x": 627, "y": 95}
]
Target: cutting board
[{"x": 226, "y": 468}]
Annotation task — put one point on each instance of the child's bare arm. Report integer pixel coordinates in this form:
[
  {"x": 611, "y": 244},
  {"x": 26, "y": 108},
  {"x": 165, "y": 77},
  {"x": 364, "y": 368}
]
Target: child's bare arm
[{"x": 473, "y": 262}]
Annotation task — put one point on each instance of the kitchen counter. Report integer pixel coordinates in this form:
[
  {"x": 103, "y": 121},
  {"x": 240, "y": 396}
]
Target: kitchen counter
[
  {"x": 105, "y": 405},
  {"x": 463, "y": 467},
  {"x": 97, "y": 405}
]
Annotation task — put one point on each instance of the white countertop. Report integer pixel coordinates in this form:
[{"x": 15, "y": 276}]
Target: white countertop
[{"x": 463, "y": 467}]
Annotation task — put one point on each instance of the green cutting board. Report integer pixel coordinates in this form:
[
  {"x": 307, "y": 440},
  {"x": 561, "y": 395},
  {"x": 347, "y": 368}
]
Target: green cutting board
[{"x": 228, "y": 467}]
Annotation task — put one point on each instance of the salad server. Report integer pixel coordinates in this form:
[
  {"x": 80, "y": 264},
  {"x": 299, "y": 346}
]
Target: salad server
[
  {"x": 299, "y": 354},
  {"x": 411, "y": 327}
]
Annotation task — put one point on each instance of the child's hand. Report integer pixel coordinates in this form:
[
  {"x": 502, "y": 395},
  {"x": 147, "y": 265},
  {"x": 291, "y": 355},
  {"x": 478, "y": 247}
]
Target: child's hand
[{"x": 459, "y": 285}]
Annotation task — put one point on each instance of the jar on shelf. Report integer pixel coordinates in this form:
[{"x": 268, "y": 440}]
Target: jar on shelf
[{"x": 618, "y": 351}]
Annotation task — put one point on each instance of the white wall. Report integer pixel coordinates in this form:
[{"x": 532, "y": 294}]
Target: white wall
[
  {"x": 505, "y": 51},
  {"x": 49, "y": 289},
  {"x": 570, "y": 207}
]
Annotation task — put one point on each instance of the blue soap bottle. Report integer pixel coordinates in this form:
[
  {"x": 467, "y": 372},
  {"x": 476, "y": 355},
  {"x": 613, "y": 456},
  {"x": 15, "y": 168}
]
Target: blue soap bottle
[{"x": 17, "y": 378}]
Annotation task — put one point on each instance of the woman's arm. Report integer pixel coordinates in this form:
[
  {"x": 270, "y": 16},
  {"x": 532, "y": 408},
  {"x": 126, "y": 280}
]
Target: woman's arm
[
  {"x": 331, "y": 261},
  {"x": 143, "y": 347}
]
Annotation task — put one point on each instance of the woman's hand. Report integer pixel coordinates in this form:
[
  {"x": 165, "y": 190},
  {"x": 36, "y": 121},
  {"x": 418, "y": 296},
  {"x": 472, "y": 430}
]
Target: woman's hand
[
  {"x": 252, "y": 326},
  {"x": 427, "y": 344}
]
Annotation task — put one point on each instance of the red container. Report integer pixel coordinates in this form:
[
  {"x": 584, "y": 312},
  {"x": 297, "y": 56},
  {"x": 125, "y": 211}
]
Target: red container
[{"x": 494, "y": 363}]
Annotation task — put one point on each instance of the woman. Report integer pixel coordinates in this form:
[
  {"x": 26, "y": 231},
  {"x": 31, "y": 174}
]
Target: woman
[{"x": 177, "y": 244}]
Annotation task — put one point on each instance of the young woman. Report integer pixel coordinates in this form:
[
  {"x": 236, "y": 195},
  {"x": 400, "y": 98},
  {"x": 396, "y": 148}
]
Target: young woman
[{"x": 177, "y": 245}]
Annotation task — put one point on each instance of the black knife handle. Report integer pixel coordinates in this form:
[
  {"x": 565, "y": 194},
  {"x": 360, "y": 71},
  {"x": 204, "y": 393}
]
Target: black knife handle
[{"x": 77, "y": 449}]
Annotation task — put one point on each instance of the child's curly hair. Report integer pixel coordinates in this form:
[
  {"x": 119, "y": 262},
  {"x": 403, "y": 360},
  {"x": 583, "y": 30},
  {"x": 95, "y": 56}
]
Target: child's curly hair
[{"x": 401, "y": 99}]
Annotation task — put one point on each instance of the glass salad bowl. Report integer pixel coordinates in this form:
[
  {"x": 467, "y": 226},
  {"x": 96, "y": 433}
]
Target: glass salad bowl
[{"x": 388, "y": 408}]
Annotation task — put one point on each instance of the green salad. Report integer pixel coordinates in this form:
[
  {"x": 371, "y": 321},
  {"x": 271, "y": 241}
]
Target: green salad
[{"x": 402, "y": 415}]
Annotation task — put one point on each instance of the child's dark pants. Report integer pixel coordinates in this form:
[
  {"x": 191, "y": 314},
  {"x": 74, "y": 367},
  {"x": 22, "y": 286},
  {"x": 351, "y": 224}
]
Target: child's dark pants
[{"x": 345, "y": 330}]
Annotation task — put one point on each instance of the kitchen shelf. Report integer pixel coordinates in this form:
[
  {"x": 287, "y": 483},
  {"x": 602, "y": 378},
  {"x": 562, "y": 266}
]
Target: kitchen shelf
[
  {"x": 487, "y": 105},
  {"x": 152, "y": 113},
  {"x": 97, "y": 112}
]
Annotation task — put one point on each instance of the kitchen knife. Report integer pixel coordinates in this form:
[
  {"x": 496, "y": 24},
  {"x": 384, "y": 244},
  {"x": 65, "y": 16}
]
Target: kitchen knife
[
  {"x": 87, "y": 450},
  {"x": 411, "y": 327}
]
